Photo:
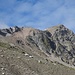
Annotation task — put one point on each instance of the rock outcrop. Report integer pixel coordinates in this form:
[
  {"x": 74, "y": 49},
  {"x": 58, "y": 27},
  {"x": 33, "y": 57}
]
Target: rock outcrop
[
  {"x": 65, "y": 43},
  {"x": 11, "y": 30},
  {"x": 60, "y": 42}
]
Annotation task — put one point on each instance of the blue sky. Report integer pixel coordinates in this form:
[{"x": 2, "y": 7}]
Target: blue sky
[{"x": 37, "y": 13}]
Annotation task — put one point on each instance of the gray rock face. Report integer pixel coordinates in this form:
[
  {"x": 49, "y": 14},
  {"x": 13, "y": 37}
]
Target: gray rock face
[
  {"x": 43, "y": 40},
  {"x": 65, "y": 43},
  {"x": 61, "y": 43},
  {"x": 8, "y": 32}
]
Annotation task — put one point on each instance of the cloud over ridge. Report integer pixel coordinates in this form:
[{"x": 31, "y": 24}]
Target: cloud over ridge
[{"x": 38, "y": 13}]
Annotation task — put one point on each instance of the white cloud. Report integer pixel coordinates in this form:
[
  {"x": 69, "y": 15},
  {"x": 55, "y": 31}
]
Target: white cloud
[
  {"x": 70, "y": 23},
  {"x": 42, "y": 14},
  {"x": 23, "y": 7},
  {"x": 2, "y": 26}
]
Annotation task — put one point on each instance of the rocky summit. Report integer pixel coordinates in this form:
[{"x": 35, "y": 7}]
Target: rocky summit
[{"x": 29, "y": 51}]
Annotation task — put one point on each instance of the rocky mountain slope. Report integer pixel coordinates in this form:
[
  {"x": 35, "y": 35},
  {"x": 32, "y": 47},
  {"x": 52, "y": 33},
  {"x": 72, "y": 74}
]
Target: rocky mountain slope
[{"x": 29, "y": 51}]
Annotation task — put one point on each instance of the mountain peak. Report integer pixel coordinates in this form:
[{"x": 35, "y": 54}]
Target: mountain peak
[
  {"x": 9, "y": 31},
  {"x": 59, "y": 27},
  {"x": 15, "y": 29}
]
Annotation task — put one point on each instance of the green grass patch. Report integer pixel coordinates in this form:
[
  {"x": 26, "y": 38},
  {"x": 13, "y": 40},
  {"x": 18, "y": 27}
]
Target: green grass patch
[{"x": 4, "y": 45}]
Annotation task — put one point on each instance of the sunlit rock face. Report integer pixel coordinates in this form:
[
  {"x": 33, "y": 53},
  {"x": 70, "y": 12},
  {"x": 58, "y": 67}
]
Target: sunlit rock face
[{"x": 65, "y": 43}]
